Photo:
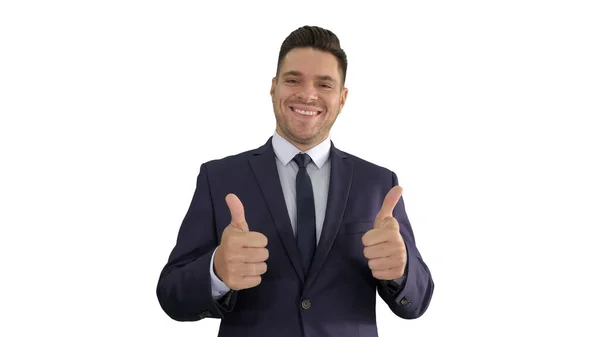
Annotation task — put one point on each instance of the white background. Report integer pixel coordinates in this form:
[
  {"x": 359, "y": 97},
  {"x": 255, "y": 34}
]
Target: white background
[{"x": 487, "y": 111}]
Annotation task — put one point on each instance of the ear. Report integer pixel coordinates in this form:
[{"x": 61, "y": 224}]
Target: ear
[
  {"x": 273, "y": 83},
  {"x": 343, "y": 97}
]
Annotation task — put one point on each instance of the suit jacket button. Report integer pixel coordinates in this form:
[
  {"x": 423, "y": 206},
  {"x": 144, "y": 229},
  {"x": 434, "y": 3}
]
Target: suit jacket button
[
  {"x": 306, "y": 303},
  {"x": 404, "y": 302}
]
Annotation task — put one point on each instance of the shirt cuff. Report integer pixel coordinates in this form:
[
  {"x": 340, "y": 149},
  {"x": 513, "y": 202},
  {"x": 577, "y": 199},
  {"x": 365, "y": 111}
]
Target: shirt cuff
[{"x": 218, "y": 288}]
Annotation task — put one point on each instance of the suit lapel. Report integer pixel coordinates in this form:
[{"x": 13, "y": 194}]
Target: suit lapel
[
  {"x": 339, "y": 189},
  {"x": 265, "y": 169}
]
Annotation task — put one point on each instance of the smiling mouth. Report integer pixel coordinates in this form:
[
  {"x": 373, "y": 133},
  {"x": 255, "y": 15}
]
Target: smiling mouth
[{"x": 305, "y": 112}]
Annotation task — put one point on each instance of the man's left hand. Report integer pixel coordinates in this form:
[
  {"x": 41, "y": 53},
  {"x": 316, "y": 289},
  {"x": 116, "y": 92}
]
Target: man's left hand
[{"x": 384, "y": 246}]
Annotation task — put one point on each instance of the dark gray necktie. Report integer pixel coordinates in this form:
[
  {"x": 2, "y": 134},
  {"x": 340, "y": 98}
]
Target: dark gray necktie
[{"x": 305, "y": 202}]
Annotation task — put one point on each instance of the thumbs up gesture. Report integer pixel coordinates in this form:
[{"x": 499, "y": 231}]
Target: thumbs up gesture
[
  {"x": 384, "y": 246},
  {"x": 240, "y": 257}
]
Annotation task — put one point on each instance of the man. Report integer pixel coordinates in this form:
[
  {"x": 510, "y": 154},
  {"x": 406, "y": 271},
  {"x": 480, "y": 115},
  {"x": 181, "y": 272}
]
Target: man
[{"x": 295, "y": 237}]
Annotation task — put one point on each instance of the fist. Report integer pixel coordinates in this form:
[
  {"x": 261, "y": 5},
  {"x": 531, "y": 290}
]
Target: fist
[
  {"x": 384, "y": 246},
  {"x": 240, "y": 257}
]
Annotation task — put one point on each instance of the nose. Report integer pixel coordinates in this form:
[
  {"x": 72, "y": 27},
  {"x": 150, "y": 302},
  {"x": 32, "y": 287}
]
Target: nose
[{"x": 308, "y": 92}]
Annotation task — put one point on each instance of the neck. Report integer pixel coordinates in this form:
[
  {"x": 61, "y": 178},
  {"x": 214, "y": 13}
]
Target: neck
[{"x": 301, "y": 146}]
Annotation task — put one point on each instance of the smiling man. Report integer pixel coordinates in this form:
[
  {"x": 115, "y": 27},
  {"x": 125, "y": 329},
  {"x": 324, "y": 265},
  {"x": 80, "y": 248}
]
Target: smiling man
[
  {"x": 297, "y": 237},
  {"x": 308, "y": 94}
]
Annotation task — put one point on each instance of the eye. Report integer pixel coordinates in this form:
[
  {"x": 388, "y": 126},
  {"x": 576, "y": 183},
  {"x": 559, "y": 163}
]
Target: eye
[
  {"x": 291, "y": 81},
  {"x": 327, "y": 86}
]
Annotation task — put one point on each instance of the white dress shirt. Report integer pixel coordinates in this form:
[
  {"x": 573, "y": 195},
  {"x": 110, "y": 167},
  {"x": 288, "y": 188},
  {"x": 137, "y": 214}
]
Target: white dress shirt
[{"x": 318, "y": 170}]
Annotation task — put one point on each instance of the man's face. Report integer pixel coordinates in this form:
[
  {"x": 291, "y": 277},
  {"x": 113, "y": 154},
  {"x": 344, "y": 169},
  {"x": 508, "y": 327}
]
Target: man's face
[{"x": 307, "y": 96}]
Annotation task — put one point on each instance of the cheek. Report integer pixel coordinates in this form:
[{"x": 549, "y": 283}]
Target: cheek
[
  {"x": 284, "y": 93},
  {"x": 333, "y": 101},
  {"x": 281, "y": 100}
]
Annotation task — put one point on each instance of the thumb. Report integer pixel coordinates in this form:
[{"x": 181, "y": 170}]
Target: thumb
[
  {"x": 236, "y": 209},
  {"x": 389, "y": 203}
]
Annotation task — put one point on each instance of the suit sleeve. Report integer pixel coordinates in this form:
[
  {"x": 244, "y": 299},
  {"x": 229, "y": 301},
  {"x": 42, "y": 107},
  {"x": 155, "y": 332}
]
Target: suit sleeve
[
  {"x": 184, "y": 287},
  {"x": 409, "y": 296}
]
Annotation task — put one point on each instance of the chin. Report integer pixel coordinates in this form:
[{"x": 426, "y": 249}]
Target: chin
[{"x": 305, "y": 139}]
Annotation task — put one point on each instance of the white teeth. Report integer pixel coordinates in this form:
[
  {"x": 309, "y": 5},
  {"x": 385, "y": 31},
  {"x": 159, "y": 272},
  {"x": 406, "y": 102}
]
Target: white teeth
[{"x": 306, "y": 113}]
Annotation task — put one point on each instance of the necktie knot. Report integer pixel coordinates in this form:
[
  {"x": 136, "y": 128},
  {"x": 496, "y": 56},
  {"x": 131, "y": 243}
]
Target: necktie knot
[{"x": 302, "y": 159}]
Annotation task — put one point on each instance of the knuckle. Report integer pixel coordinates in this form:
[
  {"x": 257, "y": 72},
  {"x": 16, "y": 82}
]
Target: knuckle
[
  {"x": 372, "y": 264},
  {"x": 235, "y": 285},
  {"x": 391, "y": 232},
  {"x": 236, "y": 269},
  {"x": 230, "y": 257},
  {"x": 251, "y": 282},
  {"x": 230, "y": 282},
  {"x": 249, "y": 256},
  {"x": 256, "y": 269},
  {"x": 244, "y": 238}
]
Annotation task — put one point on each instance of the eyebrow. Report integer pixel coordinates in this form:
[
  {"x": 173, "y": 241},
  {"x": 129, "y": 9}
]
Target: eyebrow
[{"x": 297, "y": 73}]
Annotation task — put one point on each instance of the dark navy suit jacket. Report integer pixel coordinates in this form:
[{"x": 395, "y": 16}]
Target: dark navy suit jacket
[{"x": 336, "y": 298}]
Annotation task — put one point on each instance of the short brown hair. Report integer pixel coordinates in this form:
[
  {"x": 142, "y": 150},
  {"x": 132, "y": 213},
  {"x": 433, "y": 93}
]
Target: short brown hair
[{"x": 318, "y": 38}]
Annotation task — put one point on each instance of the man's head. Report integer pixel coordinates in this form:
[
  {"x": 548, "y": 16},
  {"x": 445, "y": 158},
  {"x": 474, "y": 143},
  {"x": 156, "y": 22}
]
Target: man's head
[{"x": 308, "y": 89}]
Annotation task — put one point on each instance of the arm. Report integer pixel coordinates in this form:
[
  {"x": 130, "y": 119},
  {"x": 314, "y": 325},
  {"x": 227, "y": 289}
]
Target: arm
[
  {"x": 409, "y": 296},
  {"x": 184, "y": 287}
]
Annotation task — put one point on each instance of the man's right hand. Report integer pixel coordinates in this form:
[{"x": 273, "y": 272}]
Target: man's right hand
[{"x": 240, "y": 258}]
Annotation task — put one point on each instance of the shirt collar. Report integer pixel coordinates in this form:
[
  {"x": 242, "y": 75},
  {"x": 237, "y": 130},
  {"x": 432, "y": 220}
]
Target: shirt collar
[{"x": 286, "y": 151}]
